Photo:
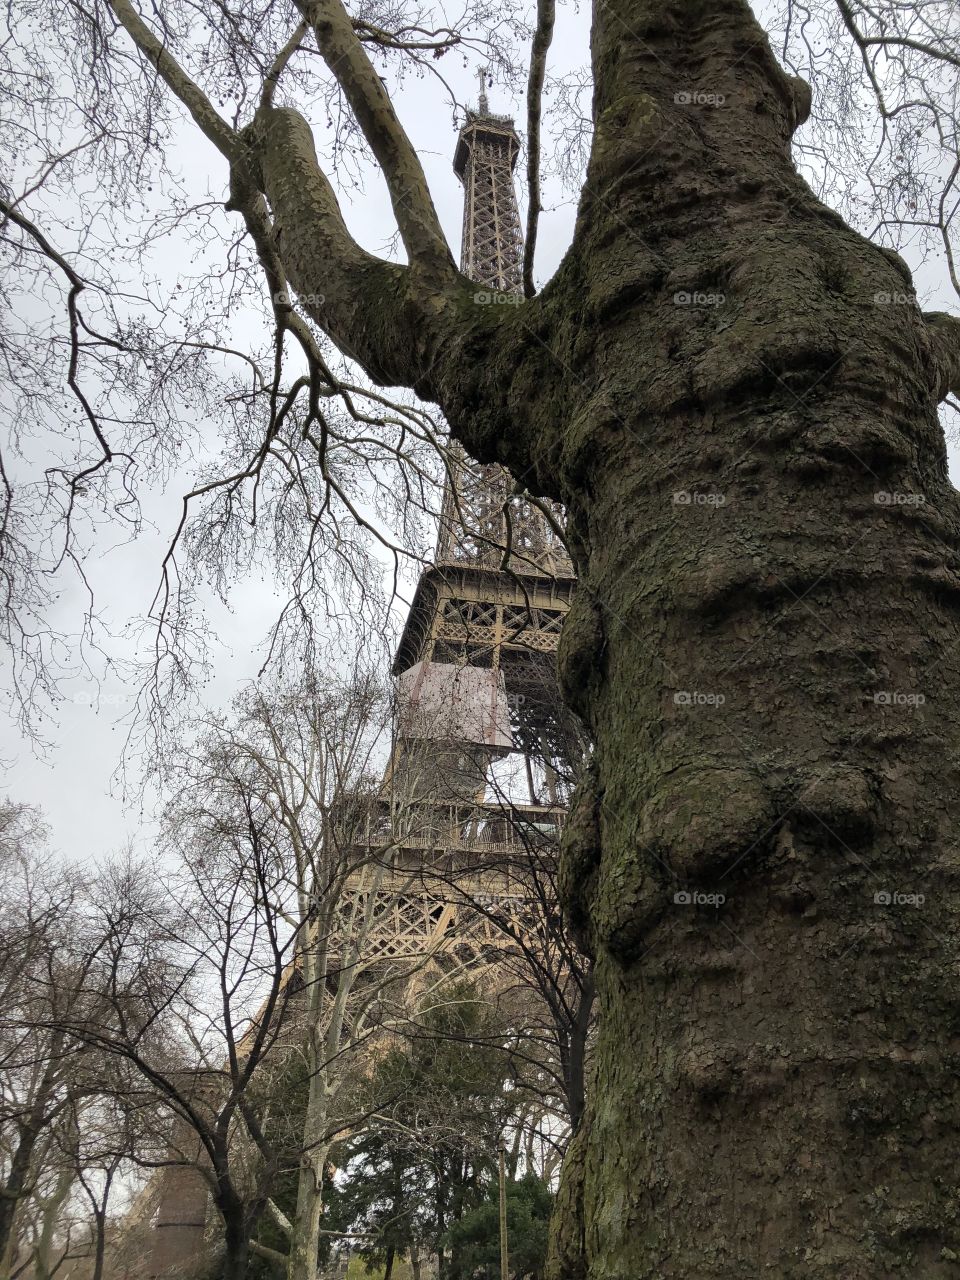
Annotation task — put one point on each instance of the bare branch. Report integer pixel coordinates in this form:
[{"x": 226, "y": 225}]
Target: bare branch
[
  {"x": 413, "y": 207},
  {"x": 542, "y": 37}
]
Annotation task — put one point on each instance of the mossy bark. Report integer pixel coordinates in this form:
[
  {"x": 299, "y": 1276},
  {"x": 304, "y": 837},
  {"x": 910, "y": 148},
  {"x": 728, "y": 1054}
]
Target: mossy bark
[
  {"x": 736, "y": 398},
  {"x": 765, "y": 646}
]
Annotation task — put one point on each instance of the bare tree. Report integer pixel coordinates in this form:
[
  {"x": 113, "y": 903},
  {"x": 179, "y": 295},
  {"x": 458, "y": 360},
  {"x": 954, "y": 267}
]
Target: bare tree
[
  {"x": 82, "y": 1159},
  {"x": 41, "y": 1071},
  {"x": 735, "y": 396},
  {"x": 149, "y": 1004},
  {"x": 117, "y": 1133},
  {"x": 64, "y": 1114},
  {"x": 265, "y": 956},
  {"x": 301, "y": 767}
]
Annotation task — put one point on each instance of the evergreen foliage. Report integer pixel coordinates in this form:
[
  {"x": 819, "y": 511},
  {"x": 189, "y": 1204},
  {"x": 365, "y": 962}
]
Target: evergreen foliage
[{"x": 476, "y": 1237}]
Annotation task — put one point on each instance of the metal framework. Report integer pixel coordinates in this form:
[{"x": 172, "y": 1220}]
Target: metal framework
[
  {"x": 486, "y": 523},
  {"x": 483, "y": 522},
  {"x": 476, "y": 664},
  {"x": 451, "y": 856},
  {"x": 492, "y": 245}
]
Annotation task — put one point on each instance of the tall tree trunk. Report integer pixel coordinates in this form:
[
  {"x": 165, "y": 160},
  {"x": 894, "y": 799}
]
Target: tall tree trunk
[
  {"x": 236, "y": 1256},
  {"x": 100, "y": 1221},
  {"x": 576, "y": 1057},
  {"x": 99, "y": 1206},
  {"x": 237, "y": 1225},
  {"x": 50, "y": 1207},
  {"x": 305, "y": 1239},
  {"x": 388, "y": 1265},
  {"x": 441, "y": 1190},
  {"x": 13, "y": 1189},
  {"x": 765, "y": 644},
  {"x": 304, "y": 1245},
  {"x": 40, "y": 1113},
  {"x": 735, "y": 396}
]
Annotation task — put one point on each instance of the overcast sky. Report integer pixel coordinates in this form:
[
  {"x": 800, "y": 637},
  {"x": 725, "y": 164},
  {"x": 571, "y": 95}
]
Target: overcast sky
[{"x": 72, "y": 780}]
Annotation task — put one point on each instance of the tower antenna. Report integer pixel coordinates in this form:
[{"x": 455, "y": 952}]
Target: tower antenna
[{"x": 482, "y": 104}]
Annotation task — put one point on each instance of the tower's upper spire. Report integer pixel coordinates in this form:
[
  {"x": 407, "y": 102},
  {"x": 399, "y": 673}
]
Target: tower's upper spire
[
  {"x": 483, "y": 107},
  {"x": 473, "y": 528},
  {"x": 492, "y": 247}
]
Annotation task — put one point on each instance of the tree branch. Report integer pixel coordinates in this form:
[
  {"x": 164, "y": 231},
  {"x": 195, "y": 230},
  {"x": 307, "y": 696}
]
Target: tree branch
[
  {"x": 271, "y": 1255},
  {"x": 944, "y": 333},
  {"x": 365, "y": 304},
  {"x": 213, "y": 126},
  {"x": 280, "y": 63},
  {"x": 413, "y": 206},
  {"x": 279, "y": 1217},
  {"x": 546, "y": 11}
]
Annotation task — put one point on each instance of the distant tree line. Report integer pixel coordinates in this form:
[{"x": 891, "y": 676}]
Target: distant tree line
[{"x": 220, "y": 1008}]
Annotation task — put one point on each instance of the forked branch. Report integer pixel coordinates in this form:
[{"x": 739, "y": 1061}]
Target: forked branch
[{"x": 413, "y": 207}]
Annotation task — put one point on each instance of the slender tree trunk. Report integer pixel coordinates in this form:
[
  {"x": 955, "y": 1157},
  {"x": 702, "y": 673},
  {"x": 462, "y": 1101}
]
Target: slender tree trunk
[
  {"x": 236, "y": 1257},
  {"x": 575, "y": 1066},
  {"x": 415, "y": 1261},
  {"x": 440, "y": 1202},
  {"x": 100, "y": 1219},
  {"x": 99, "y": 1207},
  {"x": 51, "y": 1217},
  {"x": 388, "y": 1265},
  {"x": 13, "y": 1190},
  {"x": 305, "y": 1240}
]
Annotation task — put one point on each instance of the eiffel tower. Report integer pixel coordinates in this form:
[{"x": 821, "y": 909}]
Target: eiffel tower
[
  {"x": 476, "y": 684},
  {"x": 476, "y": 662}
]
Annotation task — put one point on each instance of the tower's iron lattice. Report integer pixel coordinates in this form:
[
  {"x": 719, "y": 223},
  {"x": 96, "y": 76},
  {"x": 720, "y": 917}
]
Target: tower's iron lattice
[{"x": 476, "y": 664}]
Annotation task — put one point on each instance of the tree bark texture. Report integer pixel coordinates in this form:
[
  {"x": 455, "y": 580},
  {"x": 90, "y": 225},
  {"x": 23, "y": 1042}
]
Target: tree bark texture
[{"x": 15, "y": 1186}]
